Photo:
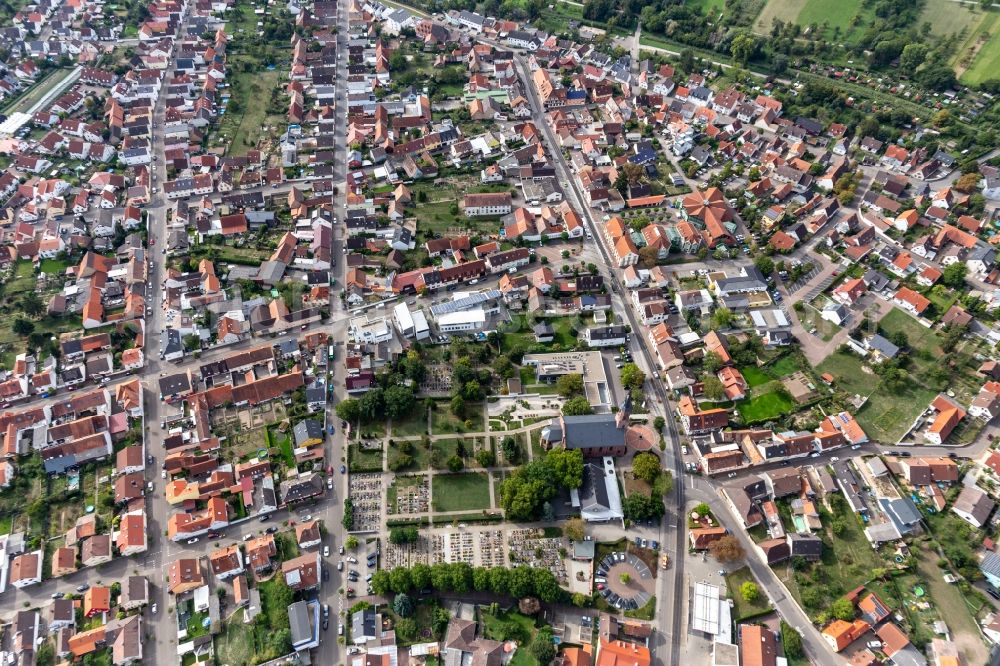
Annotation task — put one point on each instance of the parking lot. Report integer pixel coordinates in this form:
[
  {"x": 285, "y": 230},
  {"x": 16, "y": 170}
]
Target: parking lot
[{"x": 624, "y": 581}]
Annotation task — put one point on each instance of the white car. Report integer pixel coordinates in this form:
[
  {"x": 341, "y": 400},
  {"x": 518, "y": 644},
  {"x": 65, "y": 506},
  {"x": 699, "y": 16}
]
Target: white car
[
  {"x": 163, "y": 473},
  {"x": 193, "y": 541},
  {"x": 152, "y": 609},
  {"x": 326, "y": 551}
]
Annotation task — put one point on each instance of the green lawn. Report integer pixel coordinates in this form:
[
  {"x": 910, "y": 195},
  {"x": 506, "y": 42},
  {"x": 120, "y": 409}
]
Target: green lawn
[
  {"x": 743, "y": 609},
  {"x": 252, "y": 119},
  {"x": 443, "y": 422},
  {"x": 419, "y": 455},
  {"x": 53, "y": 266},
  {"x": 415, "y": 423},
  {"x": 983, "y": 47},
  {"x": 766, "y": 406},
  {"x": 755, "y": 376},
  {"x": 784, "y": 366},
  {"x": 461, "y": 492},
  {"x": 284, "y": 443},
  {"x": 886, "y": 416},
  {"x": 443, "y": 449},
  {"x": 364, "y": 460},
  {"x": 834, "y": 14}
]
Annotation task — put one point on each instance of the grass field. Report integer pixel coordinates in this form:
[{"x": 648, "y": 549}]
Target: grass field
[
  {"x": 982, "y": 51},
  {"x": 461, "y": 492},
  {"x": 419, "y": 456},
  {"x": 833, "y": 14},
  {"x": 953, "y": 605},
  {"x": 37, "y": 91},
  {"x": 785, "y": 10},
  {"x": 707, "y": 5},
  {"x": 765, "y": 406},
  {"x": 364, "y": 460},
  {"x": 886, "y": 416},
  {"x": 443, "y": 422},
  {"x": 242, "y": 129},
  {"x": 949, "y": 18},
  {"x": 755, "y": 376},
  {"x": 745, "y": 609},
  {"x": 414, "y": 424}
]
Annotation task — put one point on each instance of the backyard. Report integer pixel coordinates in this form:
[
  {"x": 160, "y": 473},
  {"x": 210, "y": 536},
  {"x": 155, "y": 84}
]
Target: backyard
[
  {"x": 461, "y": 492},
  {"x": 511, "y": 626},
  {"x": 848, "y": 562}
]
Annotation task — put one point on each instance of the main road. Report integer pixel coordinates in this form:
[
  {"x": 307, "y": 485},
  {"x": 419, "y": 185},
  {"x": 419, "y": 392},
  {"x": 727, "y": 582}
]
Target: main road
[{"x": 671, "y": 591}]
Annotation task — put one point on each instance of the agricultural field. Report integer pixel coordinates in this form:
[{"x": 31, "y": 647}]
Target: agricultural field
[{"x": 977, "y": 58}]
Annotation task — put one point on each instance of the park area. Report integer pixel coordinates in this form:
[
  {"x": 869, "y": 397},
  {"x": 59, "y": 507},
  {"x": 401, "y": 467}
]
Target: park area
[{"x": 834, "y": 15}]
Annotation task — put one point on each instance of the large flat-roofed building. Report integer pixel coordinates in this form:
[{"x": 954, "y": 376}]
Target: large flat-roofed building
[{"x": 589, "y": 365}]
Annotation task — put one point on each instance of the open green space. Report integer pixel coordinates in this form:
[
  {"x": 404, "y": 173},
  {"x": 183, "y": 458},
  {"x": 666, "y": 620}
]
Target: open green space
[
  {"x": 443, "y": 422},
  {"x": 255, "y": 112},
  {"x": 364, "y": 459},
  {"x": 461, "y": 492},
  {"x": 413, "y": 424},
  {"x": 783, "y": 10},
  {"x": 743, "y": 609},
  {"x": 708, "y": 5},
  {"x": 419, "y": 456},
  {"x": 53, "y": 266},
  {"x": 978, "y": 56},
  {"x": 768, "y": 405},
  {"x": 886, "y": 415},
  {"x": 833, "y": 14},
  {"x": 283, "y": 441},
  {"x": 37, "y": 92},
  {"x": 785, "y": 366},
  {"x": 957, "y": 608},
  {"x": 755, "y": 376}
]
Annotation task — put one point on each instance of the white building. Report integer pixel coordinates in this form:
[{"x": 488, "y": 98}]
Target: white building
[{"x": 411, "y": 325}]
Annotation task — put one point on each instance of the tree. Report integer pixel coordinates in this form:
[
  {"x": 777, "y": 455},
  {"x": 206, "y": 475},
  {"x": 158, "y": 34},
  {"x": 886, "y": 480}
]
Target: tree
[
  {"x": 23, "y": 327},
  {"x": 646, "y": 466},
  {"x": 842, "y": 609},
  {"x": 511, "y": 451},
  {"x": 743, "y": 47},
  {"x": 402, "y": 605},
  {"x": 573, "y": 529},
  {"x": 570, "y": 385},
  {"x": 749, "y": 591},
  {"x": 632, "y": 376},
  {"x": 791, "y": 640},
  {"x": 529, "y": 606},
  {"x": 953, "y": 275},
  {"x": 727, "y": 549},
  {"x": 912, "y": 57},
  {"x": 764, "y": 264},
  {"x": 659, "y": 423},
  {"x": 486, "y": 458},
  {"x": 458, "y": 406},
  {"x": 349, "y": 410},
  {"x": 398, "y": 535},
  {"x": 351, "y": 542},
  {"x": 638, "y": 507},
  {"x": 542, "y": 647},
  {"x": 968, "y": 182},
  {"x": 713, "y": 389},
  {"x": 577, "y": 406},
  {"x": 32, "y": 305},
  {"x": 348, "y": 520},
  {"x": 712, "y": 362},
  {"x": 455, "y": 464},
  {"x": 566, "y": 466},
  {"x": 399, "y": 401}
]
